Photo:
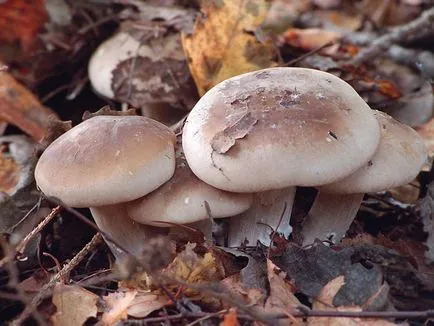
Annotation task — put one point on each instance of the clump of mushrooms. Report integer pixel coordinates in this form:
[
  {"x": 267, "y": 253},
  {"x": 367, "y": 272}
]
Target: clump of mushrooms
[
  {"x": 266, "y": 132},
  {"x": 105, "y": 162}
]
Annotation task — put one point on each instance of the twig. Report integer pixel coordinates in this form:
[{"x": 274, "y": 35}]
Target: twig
[
  {"x": 403, "y": 33},
  {"x": 308, "y": 54},
  {"x": 22, "y": 245},
  {"x": 63, "y": 274}
]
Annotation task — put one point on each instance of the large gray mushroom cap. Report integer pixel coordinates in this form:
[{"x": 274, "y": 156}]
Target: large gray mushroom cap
[
  {"x": 107, "y": 160},
  {"x": 279, "y": 127}
]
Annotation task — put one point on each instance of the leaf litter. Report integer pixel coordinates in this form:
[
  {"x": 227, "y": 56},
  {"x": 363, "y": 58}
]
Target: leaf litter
[{"x": 384, "y": 265}]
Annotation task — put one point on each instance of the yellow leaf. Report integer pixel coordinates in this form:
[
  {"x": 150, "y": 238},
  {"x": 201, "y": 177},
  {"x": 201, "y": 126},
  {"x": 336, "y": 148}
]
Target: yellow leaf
[{"x": 224, "y": 43}]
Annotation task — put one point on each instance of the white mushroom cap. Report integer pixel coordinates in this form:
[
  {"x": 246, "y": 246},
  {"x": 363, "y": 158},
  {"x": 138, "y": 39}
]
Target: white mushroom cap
[
  {"x": 397, "y": 161},
  {"x": 106, "y": 58},
  {"x": 107, "y": 160},
  {"x": 181, "y": 200},
  {"x": 279, "y": 127}
]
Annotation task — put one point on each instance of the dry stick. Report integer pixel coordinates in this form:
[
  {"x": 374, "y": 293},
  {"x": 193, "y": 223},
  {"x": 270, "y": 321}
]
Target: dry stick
[
  {"x": 22, "y": 245},
  {"x": 399, "y": 34},
  {"x": 308, "y": 54},
  {"x": 63, "y": 273},
  {"x": 14, "y": 280}
]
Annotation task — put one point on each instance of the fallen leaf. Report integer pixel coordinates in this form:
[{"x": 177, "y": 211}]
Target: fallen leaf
[
  {"x": 312, "y": 268},
  {"x": 230, "y": 319},
  {"x": 74, "y": 305},
  {"x": 224, "y": 43},
  {"x": 18, "y": 106},
  {"x": 324, "y": 302},
  {"x": 117, "y": 304},
  {"x": 21, "y": 21},
  {"x": 154, "y": 70},
  {"x": 224, "y": 140},
  {"x": 309, "y": 38},
  {"x": 281, "y": 298},
  {"x": 145, "y": 303},
  {"x": 194, "y": 268}
]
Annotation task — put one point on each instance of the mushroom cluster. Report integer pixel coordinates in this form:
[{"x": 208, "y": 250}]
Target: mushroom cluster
[{"x": 246, "y": 145}]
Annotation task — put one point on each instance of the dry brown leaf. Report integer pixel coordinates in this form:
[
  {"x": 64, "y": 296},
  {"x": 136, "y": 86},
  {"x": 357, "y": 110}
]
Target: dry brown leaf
[
  {"x": 118, "y": 304},
  {"x": 21, "y": 21},
  {"x": 18, "y": 106},
  {"x": 282, "y": 298},
  {"x": 324, "y": 302},
  {"x": 230, "y": 319},
  {"x": 225, "y": 139},
  {"x": 74, "y": 305},
  {"x": 224, "y": 45},
  {"x": 310, "y": 38},
  {"x": 146, "y": 302}
]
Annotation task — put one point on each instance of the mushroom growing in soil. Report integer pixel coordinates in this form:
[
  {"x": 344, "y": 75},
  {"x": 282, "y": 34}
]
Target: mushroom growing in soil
[
  {"x": 181, "y": 200},
  {"x": 397, "y": 161},
  {"x": 146, "y": 68},
  {"x": 104, "y": 162},
  {"x": 266, "y": 132}
]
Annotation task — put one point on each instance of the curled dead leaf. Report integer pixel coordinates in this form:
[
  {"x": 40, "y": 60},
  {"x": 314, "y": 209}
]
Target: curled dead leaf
[{"x": 224, "y": 140}]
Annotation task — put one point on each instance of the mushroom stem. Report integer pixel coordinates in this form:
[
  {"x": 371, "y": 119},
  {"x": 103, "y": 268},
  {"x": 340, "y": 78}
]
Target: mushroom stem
[
  {"x": 267, "y": 213},
  {"x": 330, "y": 216},
  {"x": 114, "y": 221}
]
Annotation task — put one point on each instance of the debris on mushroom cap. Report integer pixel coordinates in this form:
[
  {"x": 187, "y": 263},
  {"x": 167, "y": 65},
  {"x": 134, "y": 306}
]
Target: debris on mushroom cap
[
  {"x": 107, "y": 160},
  {"x": 182, "y": 200},
  {"x": 138, "y": 69},
  {"x": 279, "y": 127},
  {"x": 397, "y": 161}
]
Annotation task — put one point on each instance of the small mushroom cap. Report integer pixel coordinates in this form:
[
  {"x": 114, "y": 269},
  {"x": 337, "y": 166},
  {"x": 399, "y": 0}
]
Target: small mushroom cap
[
  {"x": 182, "y": 200},
  {"x": 279, "y": 127},
  {"x": 397, "y": 161},
  {"x": 107, "y": 160},
  {"x": 105, "y": 59}
]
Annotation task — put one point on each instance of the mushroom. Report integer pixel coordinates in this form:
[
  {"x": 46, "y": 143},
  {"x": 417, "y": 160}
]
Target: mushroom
[
  {"x": 277, "y": 128},
  {"x": 397, "y": 161},
  {"x": 182, "y": 200},
  {"x": 106, "y": 161},
  {"x": 146, "y": 68}
]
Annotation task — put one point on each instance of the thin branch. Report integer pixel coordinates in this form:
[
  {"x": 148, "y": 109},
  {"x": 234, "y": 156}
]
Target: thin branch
[
  {"x": 403, "y": 33},
  {"x": 22, "y": 245}
]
